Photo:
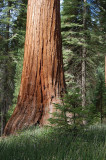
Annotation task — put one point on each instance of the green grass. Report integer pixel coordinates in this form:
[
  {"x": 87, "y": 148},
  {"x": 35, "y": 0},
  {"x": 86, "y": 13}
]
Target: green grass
[{"x": 50, "y": 144}]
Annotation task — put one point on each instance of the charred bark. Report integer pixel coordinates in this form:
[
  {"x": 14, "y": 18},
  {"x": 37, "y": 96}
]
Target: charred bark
[{"x": 42, "y": 82}]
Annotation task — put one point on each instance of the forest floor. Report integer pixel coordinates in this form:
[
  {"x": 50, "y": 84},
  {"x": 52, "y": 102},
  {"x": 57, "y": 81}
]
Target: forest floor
[{"x": 51, "y": 144}]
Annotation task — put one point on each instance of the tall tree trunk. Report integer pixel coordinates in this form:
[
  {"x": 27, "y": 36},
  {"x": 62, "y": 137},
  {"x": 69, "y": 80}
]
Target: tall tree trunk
[
  {"x": 42, "y": 82},
  {"x": 84, "y": 61}
]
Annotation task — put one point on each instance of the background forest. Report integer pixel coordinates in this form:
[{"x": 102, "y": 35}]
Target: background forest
[
  {"x": 83, "y": 29},
  {"x": 79, "y": 128}
]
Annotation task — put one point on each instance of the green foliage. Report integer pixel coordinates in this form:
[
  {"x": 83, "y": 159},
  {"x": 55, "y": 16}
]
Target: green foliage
[
  {"x": 70, "y": 115},
  {"x": 12, "y": 37},
  {"x": 18, "y": 49},
  {"x": 50, "y": 144},
  {"x": 72, "y": 38},
  {"x": 75, "y": 37},
  {"x": 7, "y": 64},
  {"x": 99, "y": 99}
]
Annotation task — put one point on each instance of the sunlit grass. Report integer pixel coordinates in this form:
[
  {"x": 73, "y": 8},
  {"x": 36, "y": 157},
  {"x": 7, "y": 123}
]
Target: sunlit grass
[{"x": 50, "y": 144}]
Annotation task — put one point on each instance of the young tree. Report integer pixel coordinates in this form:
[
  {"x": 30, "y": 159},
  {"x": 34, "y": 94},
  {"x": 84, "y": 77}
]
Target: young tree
[{"x": 42, "y": 82}]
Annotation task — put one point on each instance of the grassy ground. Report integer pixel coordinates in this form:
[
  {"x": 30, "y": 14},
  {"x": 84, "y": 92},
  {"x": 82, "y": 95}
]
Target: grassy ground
[{"x": 49, "y": 144}]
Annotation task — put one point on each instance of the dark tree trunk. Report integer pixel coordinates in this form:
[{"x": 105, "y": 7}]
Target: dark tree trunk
[
  {"x": 42, "y": 82},
  {"x": 5, "y": 98}
]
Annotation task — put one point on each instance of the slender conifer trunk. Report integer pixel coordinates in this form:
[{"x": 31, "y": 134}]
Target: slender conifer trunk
[
  {"x": 84, "y": 61},
  {"x": 5, "y": 98},
  {"x": 42, "y": 82}
]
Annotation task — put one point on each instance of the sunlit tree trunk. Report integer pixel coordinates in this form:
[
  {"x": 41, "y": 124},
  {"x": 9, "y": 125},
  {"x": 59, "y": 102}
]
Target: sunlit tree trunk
[
  {"x": 42, "y": 82},
  {"x": 84, "y": 60}
]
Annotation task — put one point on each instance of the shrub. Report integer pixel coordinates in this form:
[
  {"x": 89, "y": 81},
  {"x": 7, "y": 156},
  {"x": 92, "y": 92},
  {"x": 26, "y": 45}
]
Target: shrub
[{"x": 70, "y": 115}]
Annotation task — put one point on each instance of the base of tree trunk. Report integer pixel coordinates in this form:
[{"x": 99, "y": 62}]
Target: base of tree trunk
[
  {"x": 42, "y": 82},
  {"x": 28, "y": 115}
]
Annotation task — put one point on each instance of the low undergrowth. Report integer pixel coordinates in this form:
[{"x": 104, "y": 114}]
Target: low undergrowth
[{"x": 53, "y": 144}]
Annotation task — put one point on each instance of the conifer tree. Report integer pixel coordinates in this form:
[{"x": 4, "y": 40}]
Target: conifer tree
[
  {"x": 72, "y": 39},
  {"x": 7, "y": 64},
  {"x": 17, "y": 45},
  {"x": 42, "y": 82},
  {"x": 100, "y": 94},
  {"x": 81, "y": 34}
]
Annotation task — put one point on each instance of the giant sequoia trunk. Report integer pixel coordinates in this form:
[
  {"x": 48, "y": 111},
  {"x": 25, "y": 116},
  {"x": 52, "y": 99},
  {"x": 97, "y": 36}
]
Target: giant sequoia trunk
[{"x": 42, "y": 82}]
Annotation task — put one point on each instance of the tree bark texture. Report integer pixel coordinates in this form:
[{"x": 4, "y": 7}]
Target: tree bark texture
[
  {"x": 42, "y": 82},
  {"x": 84, "y": 60},
  {"x": 83, "y": 77}
]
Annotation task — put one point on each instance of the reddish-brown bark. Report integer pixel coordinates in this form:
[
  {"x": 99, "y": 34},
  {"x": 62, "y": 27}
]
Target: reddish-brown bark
[{"x": 42, "y": 82}]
